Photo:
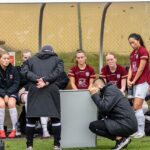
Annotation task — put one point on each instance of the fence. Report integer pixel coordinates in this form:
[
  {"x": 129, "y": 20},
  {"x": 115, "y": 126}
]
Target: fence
[
  {"x": 68, "y": 26},
  {"x": 20, "y": 25}
]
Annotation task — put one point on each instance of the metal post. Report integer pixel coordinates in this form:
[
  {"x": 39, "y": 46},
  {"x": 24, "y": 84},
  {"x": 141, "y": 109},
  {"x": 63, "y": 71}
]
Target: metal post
[
  {"x": 102, "y": 35},
  {"x": 40, "y": 24},
  {"x": 79, "y": 25}
]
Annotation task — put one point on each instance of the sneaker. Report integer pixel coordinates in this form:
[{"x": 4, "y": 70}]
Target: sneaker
[
  {"x": 2, "y": 134},
  {"x": 46, "y": 135},
  {"x": 147, "y": 117},
  {"x": 18, "y": 134},
  {"x": 57, "y": 148},
  {"x": 120, "y": 144},
  {"x": 29, "y": 148},
  {"x": 138, "y": 135},
  {"x": 132, "y": 135},
  {"x": 12, "y": 134}
]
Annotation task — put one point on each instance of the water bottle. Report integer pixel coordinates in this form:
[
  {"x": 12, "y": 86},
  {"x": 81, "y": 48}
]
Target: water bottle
[
  {"x": 130, "y": 92},
  {"x": 2, "y": 145},
  {"x": 18, "y": 130}
]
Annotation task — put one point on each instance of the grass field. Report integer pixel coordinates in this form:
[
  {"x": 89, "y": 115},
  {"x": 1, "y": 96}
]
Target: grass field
[{"x": 102, "y": 144}]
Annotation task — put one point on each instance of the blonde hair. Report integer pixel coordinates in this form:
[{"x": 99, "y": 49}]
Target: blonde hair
[
  {"x": 26, "y": 51},
  {"x": 110, "y": 53},
  {"x": 2, "y": 53}
]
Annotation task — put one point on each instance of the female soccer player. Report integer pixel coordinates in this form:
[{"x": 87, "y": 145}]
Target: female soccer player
[
  {"x": 9, "y": 86},
  {"x": 81, "y": 75},
  {"x": 114, "y": 73},
  {"x": 138, "y": 78}
]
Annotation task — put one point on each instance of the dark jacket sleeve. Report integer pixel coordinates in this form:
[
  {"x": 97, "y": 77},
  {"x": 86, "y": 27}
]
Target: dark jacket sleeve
[
  {"x": 26, "y": 73},
  {"x": 56, "y": 72},
  {"x": 105, "y": 104},
  {"x": 62, "y": 81},
  {"x": 2, "y": 92},
  {"x": 15, "y": 86}
]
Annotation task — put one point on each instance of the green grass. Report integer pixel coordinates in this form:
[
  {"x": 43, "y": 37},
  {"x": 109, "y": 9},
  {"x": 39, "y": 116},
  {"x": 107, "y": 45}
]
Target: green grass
[
  {"x": 20, "y": 144},
  {"x": 102, "y": 144}
]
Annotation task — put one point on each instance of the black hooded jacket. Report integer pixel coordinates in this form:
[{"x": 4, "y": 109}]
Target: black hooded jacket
[
  {"x": 43, "y": 101},
  {"x": 116, "y": 110},
  {"x": 50, "y": 71},
  {"x": 9, "y": 81}
]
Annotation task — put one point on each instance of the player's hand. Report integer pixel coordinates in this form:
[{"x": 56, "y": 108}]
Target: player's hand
[
  {"x": 40, "y": 83},
  {"x": 129, "y": 83},
  {"x": 21, "y": 91}
]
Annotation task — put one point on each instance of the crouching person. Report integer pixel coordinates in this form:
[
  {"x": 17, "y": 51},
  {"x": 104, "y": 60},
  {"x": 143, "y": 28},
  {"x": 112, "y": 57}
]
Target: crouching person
[{"x": 118, "y": 119}]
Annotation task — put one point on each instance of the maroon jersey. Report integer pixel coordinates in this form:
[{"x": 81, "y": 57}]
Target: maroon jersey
[
  {"x": 149, "y": 78},
  {"x": 135, "y": 57},
  {"x": 114, "y": 77},
  {"x": 82, "y": 77}
]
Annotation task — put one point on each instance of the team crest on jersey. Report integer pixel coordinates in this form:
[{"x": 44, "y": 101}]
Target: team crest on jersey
[
  {"x": 11, "y": 76},
  {"x": 87, "y": 74},
  {"x": 118, "y": 75},
  {"x": 137, "y": 56}
]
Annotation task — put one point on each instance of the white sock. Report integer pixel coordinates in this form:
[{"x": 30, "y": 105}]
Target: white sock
[
  {"x": 44, "y": 121},
  {"x": 25, "y": 101},
  {"x": 140, "y": 120},
  {"x": 13, "y": 116},
  {"x": 25, "y": 106},
  {"x": 145, "y": 107},
  {"x": 2, "y": 116}
]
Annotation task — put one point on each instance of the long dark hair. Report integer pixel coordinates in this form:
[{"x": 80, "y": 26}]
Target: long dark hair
[{"x": 137, "y": 37}]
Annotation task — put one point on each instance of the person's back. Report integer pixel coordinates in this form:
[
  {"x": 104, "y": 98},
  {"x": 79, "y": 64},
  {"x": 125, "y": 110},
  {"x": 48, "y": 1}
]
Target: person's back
[
  {"x": 42, "y": 70},
  {"x": 41, "y": 65},
  {"x": 120, "y": 110}
]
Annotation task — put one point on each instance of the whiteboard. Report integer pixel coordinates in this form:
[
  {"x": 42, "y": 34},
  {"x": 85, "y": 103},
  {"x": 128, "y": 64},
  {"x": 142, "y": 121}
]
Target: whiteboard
[{"x": 77, "y": 111}]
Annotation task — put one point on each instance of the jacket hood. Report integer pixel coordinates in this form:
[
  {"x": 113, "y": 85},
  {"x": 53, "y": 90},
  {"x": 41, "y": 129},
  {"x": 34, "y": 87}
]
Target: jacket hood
[{"x": 46, "y": 52}]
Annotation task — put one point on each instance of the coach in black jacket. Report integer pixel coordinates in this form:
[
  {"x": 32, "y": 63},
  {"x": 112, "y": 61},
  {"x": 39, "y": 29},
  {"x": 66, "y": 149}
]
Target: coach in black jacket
[
  {"x": 118, "y": 120},
  {"x": 42, "y": 70}
]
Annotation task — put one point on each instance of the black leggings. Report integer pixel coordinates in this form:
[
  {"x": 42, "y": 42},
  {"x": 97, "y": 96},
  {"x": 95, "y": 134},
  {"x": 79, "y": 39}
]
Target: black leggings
[
  {"x": 98, "y": 127},
  {"x": 30, "y": 126}
]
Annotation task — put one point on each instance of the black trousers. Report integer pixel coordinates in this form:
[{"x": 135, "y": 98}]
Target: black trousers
[
  {"x": 98, "y": 127},
  {"x": 30, "y": 126}
]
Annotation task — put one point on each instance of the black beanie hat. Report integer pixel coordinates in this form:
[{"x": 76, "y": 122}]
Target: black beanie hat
[{"x": 47, "y": 48}]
